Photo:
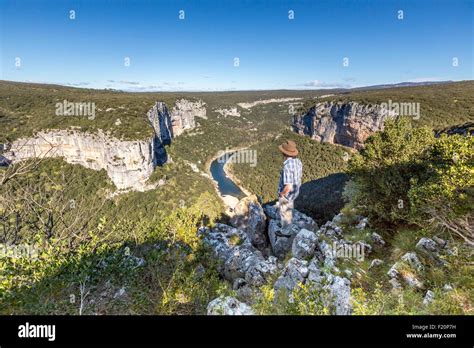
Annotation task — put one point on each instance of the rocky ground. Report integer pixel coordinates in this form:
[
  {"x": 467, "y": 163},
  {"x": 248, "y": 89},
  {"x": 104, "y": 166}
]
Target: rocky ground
[{"x": 255, "y": 250}]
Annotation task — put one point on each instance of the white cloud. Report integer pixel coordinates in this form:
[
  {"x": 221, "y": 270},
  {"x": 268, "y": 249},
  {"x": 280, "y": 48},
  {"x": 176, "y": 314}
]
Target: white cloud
[
  {"x": 322, "y": 84},
  {"x": 77, "y": 84},
  {"x": 426, "y": 79}
]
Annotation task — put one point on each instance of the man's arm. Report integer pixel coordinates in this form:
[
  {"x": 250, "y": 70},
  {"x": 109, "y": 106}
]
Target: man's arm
[
  {"x": 286, "y": 190},
  {"x": 287, "y": 179}
]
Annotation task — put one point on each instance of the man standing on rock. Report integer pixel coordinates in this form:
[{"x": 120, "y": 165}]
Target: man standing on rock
[{"x": 290, "y": 181}]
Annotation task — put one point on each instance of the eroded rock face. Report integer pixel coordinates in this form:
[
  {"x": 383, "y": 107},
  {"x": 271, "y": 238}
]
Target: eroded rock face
[
  {"x": 304, "y": 244},
  {"x": 239, "y": 258},
  {"x": 249, "y": 216},
  {"x": 294, "y": 273},
  {"x": 184, "y": 113},
  {"x": 234, "y": 112},
  {"x": 129, "y": 164},
  {"x": 348, "y": 124},
  {"x": 340, "y": 291}
]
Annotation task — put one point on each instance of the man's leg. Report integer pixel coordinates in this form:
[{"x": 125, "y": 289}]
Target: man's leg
[{"x": 285, "y": 208}]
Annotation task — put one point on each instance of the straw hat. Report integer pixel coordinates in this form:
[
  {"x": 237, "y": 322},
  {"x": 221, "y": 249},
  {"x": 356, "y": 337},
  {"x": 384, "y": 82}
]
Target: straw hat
[{"x": 289, "y": 148}]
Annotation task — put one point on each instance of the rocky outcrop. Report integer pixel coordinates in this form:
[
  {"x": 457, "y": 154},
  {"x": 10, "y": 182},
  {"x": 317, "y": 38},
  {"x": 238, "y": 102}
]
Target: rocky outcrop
[
  {"x": 228, "y": 306},
  {"x": 281, "y": 238},
  {"x": 408, "y": 270},
  {"x": 266, "y": 101},
  {"x": 239, "y": 258},
  {"x": 348, "y": 124},
  {"x": 128, "y": 163},
  {"x": 250, "y": 217},
  {"x": 234, "y": 112},
  {"x": 184, "y": 113},
  {"x": 304, "y": 244}
]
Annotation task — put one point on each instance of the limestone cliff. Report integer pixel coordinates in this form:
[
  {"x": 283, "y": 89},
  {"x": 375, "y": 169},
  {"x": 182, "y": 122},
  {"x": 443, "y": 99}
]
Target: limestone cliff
[
  {"x": 184, "y": 113},
  {"x": 129, "y": 164},
  {"x": 348, "y": 124}
]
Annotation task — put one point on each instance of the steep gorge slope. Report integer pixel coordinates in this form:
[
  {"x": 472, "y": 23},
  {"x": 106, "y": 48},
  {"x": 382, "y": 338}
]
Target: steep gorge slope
[{"x": 128, "y": 163}]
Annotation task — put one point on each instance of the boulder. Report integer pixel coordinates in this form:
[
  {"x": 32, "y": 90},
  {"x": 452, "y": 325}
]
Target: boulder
[
  {"x": 413, "y": 260},
  {"x": 447, "y": 287},
  {"x": 327, "y": 255},
  {"x": 395, "y": 284},
  {"x": 338, "y": 218},
  {"x": 243, "y": 290},
  {"x": 228, "y": 306},
  {"x": 429, "y": 248},
  {"x": 393, "y": 271},
  {"x": 314, "y": 272},
  {"x": 407, "y": 274},
  {"x": 340, "y": 292},
  {"x": 363, "y": 246},
  {"x": 362, "y": 223},
  {"x": 294, "y": 273},
  {"x": 441, "y": 242},
  {"x": 375, "y": 263},
  {"x": 281, "y": 238},
  {"x": 239, "y": 259},
  {"x": 223, "y": 238},
  {"x": 331, "y": 230},
  {"x": 304, "y": 244},
  {"x": 411, "y": 280},
  {"x": 259, "y": 270},
  {"x": 427, "y": 245},
  {"x": 377, "y": 239}
]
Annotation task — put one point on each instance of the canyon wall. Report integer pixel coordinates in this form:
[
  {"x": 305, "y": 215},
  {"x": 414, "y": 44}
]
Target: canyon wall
[
  {"x": 348, "y": 124},
  {"x": 184, "y": 113},
  {"x": 128, "y": 163}
]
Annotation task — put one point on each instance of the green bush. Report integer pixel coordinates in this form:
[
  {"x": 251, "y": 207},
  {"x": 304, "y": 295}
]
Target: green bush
[
  {"x": 178, "y": 275},
  {"x": 383, "y": 172},
  {"x": 406, "y": 175},
  {"x": 449, "y": 187}
]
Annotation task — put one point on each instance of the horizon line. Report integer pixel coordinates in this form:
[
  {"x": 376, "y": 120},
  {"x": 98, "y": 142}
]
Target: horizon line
[{"x": 413, "y": 83}]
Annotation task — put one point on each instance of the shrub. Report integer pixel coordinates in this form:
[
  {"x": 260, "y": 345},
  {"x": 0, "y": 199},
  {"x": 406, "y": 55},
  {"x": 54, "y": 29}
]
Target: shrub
[{"x": 446, "y": 197}]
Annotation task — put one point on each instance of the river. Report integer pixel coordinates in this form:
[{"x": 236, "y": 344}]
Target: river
[{"x": 225, "y": 185}]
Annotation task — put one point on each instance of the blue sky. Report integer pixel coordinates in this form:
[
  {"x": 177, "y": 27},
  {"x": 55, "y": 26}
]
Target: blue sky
[{"x": 40, "y": 43}]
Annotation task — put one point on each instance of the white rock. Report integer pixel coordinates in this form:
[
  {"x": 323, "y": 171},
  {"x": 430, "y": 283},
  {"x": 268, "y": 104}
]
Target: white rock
[
  {"x": 375, "y": 263},
  {"x": 120, "y": 292},
  {"x": 340, "y": 289},
  {"x": 429, "y": 297},
  {"x": 304, "y": 244},
  {"x": 413, "y": 260},
  {"x": 377, "y": 238},
  {"x": 228, "y": 306}
]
